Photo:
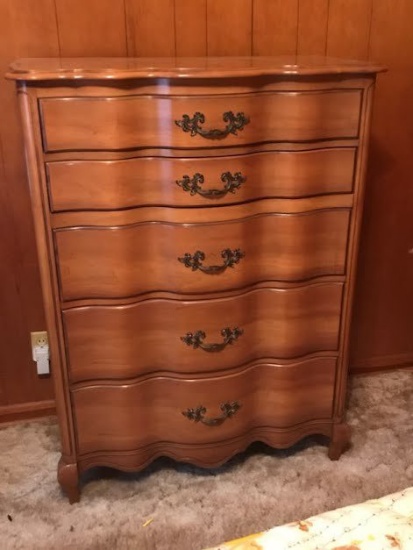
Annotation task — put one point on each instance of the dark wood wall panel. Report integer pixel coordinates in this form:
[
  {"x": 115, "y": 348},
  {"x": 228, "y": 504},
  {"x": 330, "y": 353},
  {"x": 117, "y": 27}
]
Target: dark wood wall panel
[
  {"x": 229, "y": 27},
  {"x": 98, "y": 30},
  {"x": 383, "y": 329},
  {"x": 275, "y": 25},
  {"x": 21, "y": 300},
  {"x": 349, "y": 28},
  {"x": 379, "y": 29},
  {"x": 312, "y": 27},
  {"x": 150, "y": 27},
  {"x": 191, "y": 27}
]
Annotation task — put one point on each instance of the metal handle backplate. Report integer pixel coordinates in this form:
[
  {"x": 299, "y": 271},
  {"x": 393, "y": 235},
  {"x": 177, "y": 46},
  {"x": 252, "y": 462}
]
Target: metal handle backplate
[
  {"x": 196, "y": 339},
  {"x": 198, "y": 414},
  {"x": 235, "y": 123},
  {"x": 232, "y": 182},
  {"x": 194, "y": 261}
]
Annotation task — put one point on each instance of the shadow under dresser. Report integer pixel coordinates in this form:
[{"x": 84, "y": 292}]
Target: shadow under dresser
[{"x": 197, "y": 224}]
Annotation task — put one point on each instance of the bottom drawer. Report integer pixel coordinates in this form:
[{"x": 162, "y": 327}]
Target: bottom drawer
[{"x": 126, "y": 417}]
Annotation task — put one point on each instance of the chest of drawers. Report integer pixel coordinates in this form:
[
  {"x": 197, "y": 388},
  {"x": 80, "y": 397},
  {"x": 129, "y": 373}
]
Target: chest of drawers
[{"x": 197, "y": 224}]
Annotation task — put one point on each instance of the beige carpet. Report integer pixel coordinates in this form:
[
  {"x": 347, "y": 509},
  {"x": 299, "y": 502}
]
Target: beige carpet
[{"x": 191, "y": 508}]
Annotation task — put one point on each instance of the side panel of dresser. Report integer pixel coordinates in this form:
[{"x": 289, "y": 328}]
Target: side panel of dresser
[
  {"x": 67, "y": 470},
  {"x": 340, "y": 432}
]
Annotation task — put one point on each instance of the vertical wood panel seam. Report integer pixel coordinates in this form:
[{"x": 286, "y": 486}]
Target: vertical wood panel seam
[
  {"x": 297, "y": 27},
  {"x": 206, "y": 28},
  {"x": 125, "y": 16},
  {"x": 175, "y": 27},
  {"x": 370, "y": 27},
  {"x": 252, "y": 28},
  {"x": 327, "y": 26},
  {"x": 57, "y": 28}
]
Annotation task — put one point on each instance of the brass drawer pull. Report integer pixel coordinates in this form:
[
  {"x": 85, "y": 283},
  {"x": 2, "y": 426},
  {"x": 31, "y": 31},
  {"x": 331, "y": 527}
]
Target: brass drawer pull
[
  {"x": 196, "y": 339},
  {"x": 193, "y": 185},
  {"x": 192, "y": 125},
  {"x": 198, "y": 415},
  {"x": 194, "y": 261}
]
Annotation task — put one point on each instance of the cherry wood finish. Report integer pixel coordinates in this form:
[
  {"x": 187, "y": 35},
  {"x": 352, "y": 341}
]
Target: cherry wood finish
[
  {"x": 150, "y": 256},
  {"x": 264, "y": 393},
  {"x": 180, "y": 319},
  {"x": 129, "y": 182},
  {"x": 146, "y": 121},
  {"x": 182, "y": 69},
  {"x": 117, "y": 342}
]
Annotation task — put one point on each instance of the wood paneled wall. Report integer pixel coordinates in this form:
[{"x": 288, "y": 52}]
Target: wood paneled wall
[{"x": 376, "y": 29}]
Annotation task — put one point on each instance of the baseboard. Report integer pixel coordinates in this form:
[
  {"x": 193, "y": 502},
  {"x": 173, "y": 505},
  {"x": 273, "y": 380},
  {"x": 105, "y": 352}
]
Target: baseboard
[
  {"x": 382, "y": 363},
  {"x": 21, "y": 411}
]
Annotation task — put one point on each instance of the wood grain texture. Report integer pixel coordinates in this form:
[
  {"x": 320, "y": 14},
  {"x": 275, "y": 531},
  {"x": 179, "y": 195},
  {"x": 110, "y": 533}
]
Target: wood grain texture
[
  {"x": 275, "y": 325},
  {"x": 384, "y": 300},
  {"x": 145, "y": 121},
  {"x": 110, "y": 262},
  {"x": 205, "y": 456},
  {"x": 110, "y": 184},
  {"x": 185, "y": 68},
  {"x": 229, "y": 27},
  {"x": 22, "y": 411},
  {"x": 349, "y": 28},
  {"x": 97, "y": 30},
  {"x": 191, "y": 27},
  {"x": 262, "y": 392},
  {"x": 32, "y": 140},
  {"x": 312, "y": 27},
  {"x": 150, "y": 27},
  {"x": 275, "y": 24},
  {"x": 7, "y": 265},
  {"x": 23, "y": 32}
]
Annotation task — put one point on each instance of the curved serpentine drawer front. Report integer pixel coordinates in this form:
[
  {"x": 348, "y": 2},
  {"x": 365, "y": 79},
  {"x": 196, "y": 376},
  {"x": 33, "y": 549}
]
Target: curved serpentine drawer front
[
  {"x": 115, "y": 342},
  {"x": 157, "y": 409},
  {"x": 208, "y": 181},
  {"x": 116, "y": 123},
  {"x": 105, "y": 262}
]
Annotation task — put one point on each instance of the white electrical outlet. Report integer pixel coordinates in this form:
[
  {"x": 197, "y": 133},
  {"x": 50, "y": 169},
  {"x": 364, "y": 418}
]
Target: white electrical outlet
[{"x": 40, "y": 351}]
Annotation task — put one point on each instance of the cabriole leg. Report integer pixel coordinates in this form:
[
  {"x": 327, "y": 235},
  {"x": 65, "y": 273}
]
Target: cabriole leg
[
  {"x": 68, "y": 478},
  {"x": 340, "y": 440}
]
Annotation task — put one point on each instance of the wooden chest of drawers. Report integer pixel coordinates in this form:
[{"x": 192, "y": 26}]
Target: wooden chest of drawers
[{"x": 197, "y": 225}]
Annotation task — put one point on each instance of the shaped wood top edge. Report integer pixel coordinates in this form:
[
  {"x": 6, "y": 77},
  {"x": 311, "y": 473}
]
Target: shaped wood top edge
[{"x": 117, "y": 68}]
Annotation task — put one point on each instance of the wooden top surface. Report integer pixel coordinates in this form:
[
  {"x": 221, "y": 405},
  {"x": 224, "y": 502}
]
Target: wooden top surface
[{"x": 182, "y": 67}]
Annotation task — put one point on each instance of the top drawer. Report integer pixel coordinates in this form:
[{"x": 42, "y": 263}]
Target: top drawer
[{"x": 128, "y": 122}]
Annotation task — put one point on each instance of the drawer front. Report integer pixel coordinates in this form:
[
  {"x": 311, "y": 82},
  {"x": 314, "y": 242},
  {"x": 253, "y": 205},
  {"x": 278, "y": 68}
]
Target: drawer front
[
  {"x": 126, "y": 261},
  {"x": 115, "y": 184},
  {"x": 119, "y": 342},
  {"x": 116, "y": 123},
  {"x": 126, "y": 417}
]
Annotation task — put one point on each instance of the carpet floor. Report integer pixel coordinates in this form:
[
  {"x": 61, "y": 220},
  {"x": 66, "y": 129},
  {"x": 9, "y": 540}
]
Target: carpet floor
[{"x": 178, "y": 507}]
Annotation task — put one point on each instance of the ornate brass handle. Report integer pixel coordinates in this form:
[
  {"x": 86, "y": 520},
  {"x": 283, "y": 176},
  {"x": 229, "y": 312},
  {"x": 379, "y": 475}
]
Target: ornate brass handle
[
  {"x": 194, "y": 261},
  {"x": 198, "y": 414},
  {"x": 193, "y": 185},
  {"x": 234, "y": 122},
  {"x": 196, "y": 339}
]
